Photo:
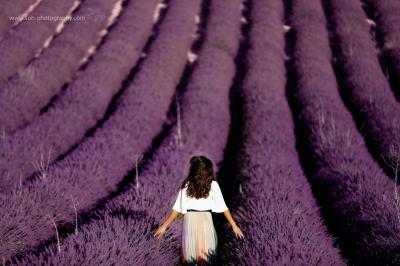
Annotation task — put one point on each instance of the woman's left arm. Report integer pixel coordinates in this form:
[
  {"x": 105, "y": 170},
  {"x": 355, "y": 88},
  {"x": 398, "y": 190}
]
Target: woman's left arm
[{"x": 163, "y": 228}]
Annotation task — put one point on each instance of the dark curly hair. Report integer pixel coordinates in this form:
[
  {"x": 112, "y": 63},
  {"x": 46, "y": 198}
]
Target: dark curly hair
[{"x": 200, "y": 176}]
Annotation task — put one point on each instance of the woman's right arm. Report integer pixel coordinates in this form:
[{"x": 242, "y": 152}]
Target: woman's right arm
[
  {"x": 235, "y": 228},
  {"x": 162, "y": 228}
]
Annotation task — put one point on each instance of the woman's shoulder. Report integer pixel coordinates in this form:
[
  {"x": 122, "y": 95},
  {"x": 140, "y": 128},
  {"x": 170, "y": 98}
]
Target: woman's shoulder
[
  {"x": 214, "y": 183},
  {"x": 185, "y": 185}
]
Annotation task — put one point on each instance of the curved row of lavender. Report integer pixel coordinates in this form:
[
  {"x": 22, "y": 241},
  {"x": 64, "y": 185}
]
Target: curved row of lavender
[
  {"x": 20, "y": 45},
  {"x": 122, "y": 234},
  {"x": 350, "y": 185},
  {"x": 277, "y": 205},
  {"x": 24, "y": 95},
  {"x": 365, "y": 88},
  {"x": 12, "y": 9},
  {"x": 80, "y": 106},
  {"x": 387, "y": 14},
  {"x": 95, "y": 168}
]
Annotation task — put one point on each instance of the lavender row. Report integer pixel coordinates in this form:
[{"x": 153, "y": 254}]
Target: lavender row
[
  {"x": 31, "y": 149},
  {"x": 387, "y": 15},
  {"x": 23, "y": 96},
  {"x": 11, "y": 9},
  {"x": 122, "y": 234},
  {"x": 276, "y": 204},
  {"x": 94, "y": 169},
  {"x": 365, "y": 88},
  {"x": 21, "y": 44},
  {"x": 350, "y": 185}
]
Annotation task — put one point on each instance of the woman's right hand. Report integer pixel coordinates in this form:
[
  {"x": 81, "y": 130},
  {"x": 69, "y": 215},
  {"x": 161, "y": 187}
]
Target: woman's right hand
[{"x": 237, "y": 231}]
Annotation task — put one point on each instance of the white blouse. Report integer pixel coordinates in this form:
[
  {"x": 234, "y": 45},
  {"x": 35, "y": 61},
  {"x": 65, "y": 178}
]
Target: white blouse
[{"x": 214, "y": 201}]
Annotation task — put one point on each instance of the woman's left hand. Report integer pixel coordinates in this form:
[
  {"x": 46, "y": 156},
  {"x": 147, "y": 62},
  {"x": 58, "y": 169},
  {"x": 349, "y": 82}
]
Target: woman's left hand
[
  {"x": 160, "y": 231},
  {"x": 238, "y": 232}
]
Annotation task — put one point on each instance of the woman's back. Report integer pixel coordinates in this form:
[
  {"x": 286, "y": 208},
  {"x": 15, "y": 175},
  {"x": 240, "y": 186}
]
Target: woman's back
[{"x": 214, "y": 201}]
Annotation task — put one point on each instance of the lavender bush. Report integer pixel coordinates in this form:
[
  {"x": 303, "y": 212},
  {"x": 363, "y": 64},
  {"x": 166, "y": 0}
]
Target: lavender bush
[
  {"x": 21, "y": 44},
  {"x": 277, "y": 209},
  {"x": 387, "y": 15},
  {"x": 349, "y": 184},
  {"x": 128, "y": 220},
  {"x": 12, "y": 9},
  {"x": 25, "y": 94},
  {"x": 93, "y": 170},
  {"x": 365, "y": 88},
  {"x": 81, "y": 105}
]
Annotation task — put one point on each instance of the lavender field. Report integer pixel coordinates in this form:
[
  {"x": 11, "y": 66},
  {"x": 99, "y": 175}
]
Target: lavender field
[{"x": 103, "y": 102}]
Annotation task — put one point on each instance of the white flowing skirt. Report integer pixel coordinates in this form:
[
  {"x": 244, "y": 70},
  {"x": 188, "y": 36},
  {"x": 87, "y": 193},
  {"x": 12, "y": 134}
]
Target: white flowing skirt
[{"x": 199, "y": 238}]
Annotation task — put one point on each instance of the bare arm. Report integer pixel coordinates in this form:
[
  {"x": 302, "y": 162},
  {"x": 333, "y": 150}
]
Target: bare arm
[
  {"x": 163, "y": 227},
  {"x": 170, "y": 218},
  {"x": 235, "y": 228},
  {"x": 229, "y": 217}
]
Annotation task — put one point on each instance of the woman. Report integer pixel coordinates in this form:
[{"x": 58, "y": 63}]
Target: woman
[{"x": 198, "y": 196}]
